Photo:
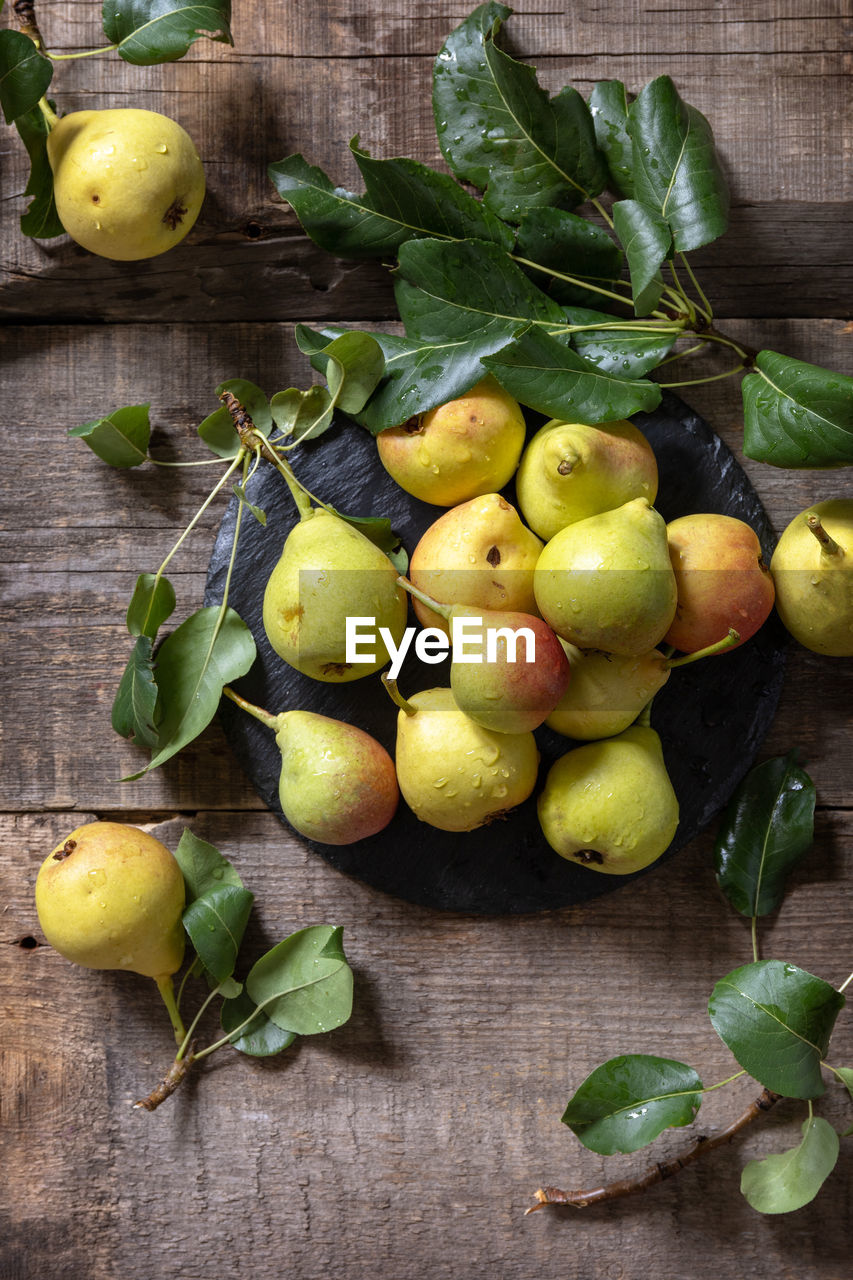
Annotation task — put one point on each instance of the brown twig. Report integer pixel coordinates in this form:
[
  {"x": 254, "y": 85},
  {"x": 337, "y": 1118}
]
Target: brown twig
[
  {"x": 658, "y": 1172},
  {"x": 167, "y": 1086},
  {"x": 26, "y": 15}
]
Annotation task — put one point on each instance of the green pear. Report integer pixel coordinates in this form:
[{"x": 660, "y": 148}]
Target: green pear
[
  {"x": 454, "y": 774},
  {"x": 329, "y": 571},
  {"x": 465, "y": 447},
  {"x": 507, "y": 670},
  {"x": 478, "y": 553},
  {"x": 606, "y": 692},
  {"x": 606, "y": 582},
  {"x": 812, "y": 569},
  {"x": 111, "y": 897},
  {"x": 570, "y": 471},
  {"x": 337, "y": 783},
  {"x": 610, "y": 805},
  {"x": 128, "y": 183}
]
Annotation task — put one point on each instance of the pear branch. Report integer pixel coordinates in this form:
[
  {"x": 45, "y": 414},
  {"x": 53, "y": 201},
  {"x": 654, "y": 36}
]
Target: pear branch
[
  {"x": 658, "y": 1172},
  {"x": 167, "y": 1086}
]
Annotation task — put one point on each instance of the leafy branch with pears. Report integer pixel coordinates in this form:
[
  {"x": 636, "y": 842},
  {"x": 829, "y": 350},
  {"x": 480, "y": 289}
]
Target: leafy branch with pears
[
  {"x": 123, "y": 183},
  {"x": 112, "y": 896},
  {"x": 776, "y": 1019},
  {"x": 515, "y": 280}
]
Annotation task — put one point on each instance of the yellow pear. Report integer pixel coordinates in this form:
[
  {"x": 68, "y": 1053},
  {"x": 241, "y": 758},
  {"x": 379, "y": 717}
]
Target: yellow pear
[
  {"x": 455, "y": 774},
  {"x": 111, "y": 897},
  {"x": 329, "y": 571},
  {"x": 812, "y": 569},
  {"x": 570, "y": 471},
  {"x": 606, "y": 692},
  {"x": 128, "y": 183},
  {"x": 480, "y": 554},
  {"x": 459, "y": 450},
  {"x": 606, "y": 582},
  {"x": 610, "y": 805}
]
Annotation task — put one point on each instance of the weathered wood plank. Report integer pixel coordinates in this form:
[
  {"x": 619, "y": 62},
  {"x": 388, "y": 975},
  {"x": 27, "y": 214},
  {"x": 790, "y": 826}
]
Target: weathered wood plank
[{"x": 410, "y": 1140}]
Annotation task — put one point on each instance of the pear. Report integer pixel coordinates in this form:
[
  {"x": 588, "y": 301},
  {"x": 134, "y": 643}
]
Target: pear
[
  {"x": 570, "y": 471},
  {"x": 111, "y": 897},
  {"x": 468, "y": 446},
  {"x": 606, "y": 692},
  {"x": 128, "y": 183},
  {"x": 610, "y": 805},
  {"x": 812, "y": 569},
  {"x": 329, "y": 571},
  {"x": 454, "y": 774},
  {"x": 721, "y": 579},
  {"x": 606, "y": 582},
  {"x": 479, "y": 553},
  {"x": 508, "y": 669},
  {"x": 337, "y": 783}
]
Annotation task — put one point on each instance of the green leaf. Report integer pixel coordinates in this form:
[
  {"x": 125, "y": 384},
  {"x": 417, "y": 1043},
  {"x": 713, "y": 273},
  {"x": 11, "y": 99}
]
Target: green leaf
[
  {"x": 498, "y": 129},
  {"x": 785, "y": 1182},
  {"x": 608, "y": 106},
  {"x": 352, "y": 365},
  {"x": 626, "y": 1102},
  {"x": 303, "y": 414},
  {"x": 217, "y": 430},
  {"x": 194, "y": 664},
  {"x": 304, "y": 983},
  {"x": 149, "y": 31},
  {"x": 470, "y": 291},
  {"x": 545, "y": 373},
  {"x": 403, "y": 199},
  {"x": 215, "y": 924},
  {"x": 258, "y": 512},
  {"x": 261, "y": 1038},
  {"x": 565, "y": 244},
  {"x": 768, "y": 827},
  {"x": 628, "y": 353},
  {"x": 647, "y": 240},
  {"x": 675, "y": 166},
  {"x": 41, "y": 220},
  {"x": 25, "y": 74},
  {"x": 136, "y": 698},
  {"x": 152, "y": 602},
  {"x": 777, "y": 1020},
  {"x": 418, "y": 376},
  {"x": 203, "y": 866},
  {"x": 120, "y": 439},
  {"x": 378, "y": 530},
  {"x": 797, "y": 415}
]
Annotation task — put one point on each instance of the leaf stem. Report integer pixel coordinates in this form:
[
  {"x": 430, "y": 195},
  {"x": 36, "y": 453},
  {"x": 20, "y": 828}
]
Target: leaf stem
[
  {"x": 705, "y": 308},
  {"x": 86, "y": 53},
  {"x": 560, "y": 275},
  {"x": 184, "y": 1044},
  {"x": 658, "y": 1172},
  {"x": 846, "y": 982},
  {"x": 753, "y": 929},
  {"x": 714, "y": 377}
]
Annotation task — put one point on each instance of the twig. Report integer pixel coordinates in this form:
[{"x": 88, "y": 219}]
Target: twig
[
  {"x": 658, "y": 1172},
  {"x": 167, "y": 1086}
]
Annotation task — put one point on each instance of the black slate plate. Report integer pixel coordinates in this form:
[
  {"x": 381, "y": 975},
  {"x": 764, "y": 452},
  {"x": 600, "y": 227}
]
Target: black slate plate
[{"x": 712, "y": 716}]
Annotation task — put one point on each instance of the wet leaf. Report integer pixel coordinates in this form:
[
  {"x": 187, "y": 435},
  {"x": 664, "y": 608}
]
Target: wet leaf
[
  {"x": 25, "y": 74},
  {"x": 608, "y": 105},
  {"x": 41, "y": 221},
  {"x": 627, "y": 1102},
  {"x": 568, "y": 245},
  {"x": 625, "y": 353},
  {"x": 215, "y": 923},
  {"x": 203, "y": 866},
  {"x": 121, "y": 439},
  {"x": 647, "y": 240},
  {"x": 351, "y": 363},
  {"x": 150, "y": 31},
  {"x": 797, "y": 414},
  {"x": 777, "y": 1020},
  {"x": 261, "y": 1038},
  {"x": 785, "y": 1182},
  {"x": 304, "y": 983},
  {"x": 767, "y": 829}
]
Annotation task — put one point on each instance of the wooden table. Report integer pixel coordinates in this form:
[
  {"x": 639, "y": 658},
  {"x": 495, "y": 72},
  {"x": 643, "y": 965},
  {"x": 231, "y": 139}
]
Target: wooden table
[{"x": 409, "y": 1142}]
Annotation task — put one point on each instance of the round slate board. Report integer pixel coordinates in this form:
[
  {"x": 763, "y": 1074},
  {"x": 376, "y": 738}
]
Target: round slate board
[{"x": 712, "y": 716}]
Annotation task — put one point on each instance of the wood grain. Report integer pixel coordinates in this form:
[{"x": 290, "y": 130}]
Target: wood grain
[{"x": 409, "y": 1142}]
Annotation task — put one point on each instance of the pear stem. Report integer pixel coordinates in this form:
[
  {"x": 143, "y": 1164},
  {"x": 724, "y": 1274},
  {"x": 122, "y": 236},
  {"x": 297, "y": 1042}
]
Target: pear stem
[
  {"x": 442, "y": 609},
  {"x": 727, "y": 642},
  {"x": 828, "y": 545},
  {"x": 167, "y": 990},
  {"x": 396, "y": 695},
  {"x": 271, "y": 721}
]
